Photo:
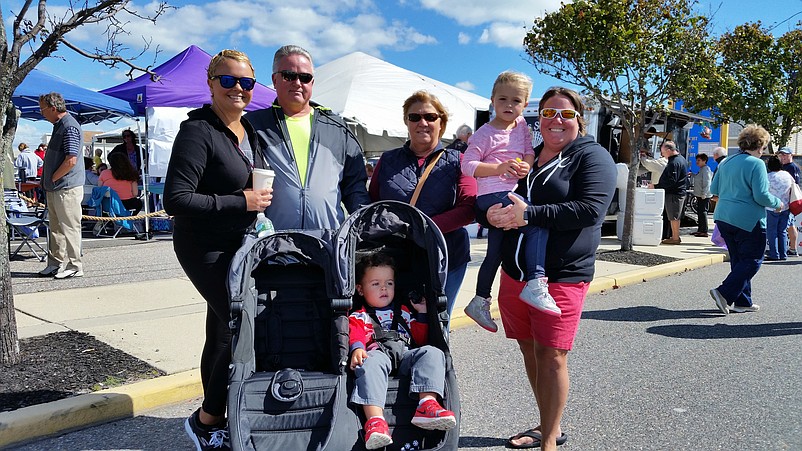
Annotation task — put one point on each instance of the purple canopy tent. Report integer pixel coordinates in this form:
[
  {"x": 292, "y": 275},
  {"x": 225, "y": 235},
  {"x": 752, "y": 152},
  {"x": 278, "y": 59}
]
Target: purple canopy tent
[{"x": 181, "y": 82}]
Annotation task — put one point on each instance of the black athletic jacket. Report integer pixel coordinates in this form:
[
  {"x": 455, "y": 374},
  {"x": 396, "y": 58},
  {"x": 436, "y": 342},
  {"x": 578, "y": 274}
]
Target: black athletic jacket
[
  {"x": 206, "y": 178},
  {"x": 569, "y": 196}
]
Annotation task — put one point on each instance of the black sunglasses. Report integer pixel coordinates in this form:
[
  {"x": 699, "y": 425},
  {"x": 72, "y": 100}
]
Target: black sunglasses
[
  {"x": 415, "y": 117},
  {"x": 228, "y": 81},
  {"x": 289, "y": 75}
]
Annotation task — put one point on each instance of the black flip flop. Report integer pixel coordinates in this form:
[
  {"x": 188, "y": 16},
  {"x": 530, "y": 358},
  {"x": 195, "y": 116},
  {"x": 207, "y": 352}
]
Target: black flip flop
[{"x": 534, "y": 434}]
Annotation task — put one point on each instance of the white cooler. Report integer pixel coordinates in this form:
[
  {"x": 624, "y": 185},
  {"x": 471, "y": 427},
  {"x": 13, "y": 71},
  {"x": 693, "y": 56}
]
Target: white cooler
[
  {"x": 647, "y": 230},
  {"x": 647, "y": 201}
]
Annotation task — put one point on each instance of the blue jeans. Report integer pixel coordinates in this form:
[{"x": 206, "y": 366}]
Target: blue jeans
[
  {"x": 746, "y": 255},
  {"x": 534, "y": 244},
  {"x": 426, "y": 367},
  {"x": 453, "y": 284},
  {"x": 777, "y": 233}
]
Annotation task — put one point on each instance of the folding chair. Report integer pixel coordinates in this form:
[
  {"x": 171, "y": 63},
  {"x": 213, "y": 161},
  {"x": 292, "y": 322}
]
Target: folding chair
[
  {"x": 106, "y": 209},
  {"x": 25, "y": 226}
]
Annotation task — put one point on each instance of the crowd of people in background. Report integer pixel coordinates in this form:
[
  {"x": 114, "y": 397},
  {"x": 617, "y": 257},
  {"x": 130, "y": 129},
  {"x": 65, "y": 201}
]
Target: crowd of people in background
[{"x": 749, "y": 192}]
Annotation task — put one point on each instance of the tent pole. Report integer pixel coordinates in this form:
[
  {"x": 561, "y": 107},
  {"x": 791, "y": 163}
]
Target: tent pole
[{"x": 144, "y": 176}]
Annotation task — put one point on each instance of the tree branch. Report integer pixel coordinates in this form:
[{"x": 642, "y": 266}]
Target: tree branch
[{"x": 113, "y": 60}]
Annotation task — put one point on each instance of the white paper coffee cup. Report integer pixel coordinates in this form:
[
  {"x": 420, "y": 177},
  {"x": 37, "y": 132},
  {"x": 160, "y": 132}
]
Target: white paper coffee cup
[{"x": 263, "y": 178}]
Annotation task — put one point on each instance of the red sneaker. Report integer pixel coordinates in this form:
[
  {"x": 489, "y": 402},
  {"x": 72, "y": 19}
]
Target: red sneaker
[
  {"x": 377, "y": 433},
  {"x": 431, "y": 415}
]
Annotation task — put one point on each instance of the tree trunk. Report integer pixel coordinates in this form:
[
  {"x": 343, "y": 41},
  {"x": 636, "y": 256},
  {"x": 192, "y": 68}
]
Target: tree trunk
[
  {"x": 9, "y": 343},
  {"x": 629, "y": 214},
  {"x": 632, "y": 178}
]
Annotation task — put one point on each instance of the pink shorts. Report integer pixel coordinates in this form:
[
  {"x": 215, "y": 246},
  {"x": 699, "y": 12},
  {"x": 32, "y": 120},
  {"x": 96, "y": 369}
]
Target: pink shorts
[{"x": 522, "y": 322}]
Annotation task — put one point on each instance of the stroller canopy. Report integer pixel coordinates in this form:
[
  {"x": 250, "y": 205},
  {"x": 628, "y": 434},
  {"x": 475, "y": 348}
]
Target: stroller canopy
[
  {"x": 375, "y": 223},
  {"x": 284, "y": 248}
]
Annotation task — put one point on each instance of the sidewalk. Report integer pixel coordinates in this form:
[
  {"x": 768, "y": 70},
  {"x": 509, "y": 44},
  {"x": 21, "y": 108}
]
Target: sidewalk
[{"x": 162, "y": 321}]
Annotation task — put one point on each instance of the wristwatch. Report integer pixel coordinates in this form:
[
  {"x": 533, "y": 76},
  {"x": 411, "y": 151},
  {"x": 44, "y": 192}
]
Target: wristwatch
[{"x": 527, "y": 216}]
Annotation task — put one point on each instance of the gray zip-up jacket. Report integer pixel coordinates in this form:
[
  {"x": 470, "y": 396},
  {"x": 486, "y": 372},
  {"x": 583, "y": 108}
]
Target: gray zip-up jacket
[
  {"x": 701, "y": 182},
  {"x": 335, "y": 176}
]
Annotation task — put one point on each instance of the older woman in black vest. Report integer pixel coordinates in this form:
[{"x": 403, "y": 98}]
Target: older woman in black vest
[{"x": 447, "y": 196}]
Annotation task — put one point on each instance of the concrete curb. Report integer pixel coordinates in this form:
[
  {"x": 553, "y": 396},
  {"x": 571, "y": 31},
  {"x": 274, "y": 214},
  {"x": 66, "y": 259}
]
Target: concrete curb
[
  {"x": 641, "y": 275},
  {"x": 599, "y": 284},
  {"x": 103, "y": 406}
]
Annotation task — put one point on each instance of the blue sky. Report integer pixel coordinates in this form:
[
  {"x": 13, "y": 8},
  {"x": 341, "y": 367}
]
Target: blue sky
[{"x": 461, "y": 42}]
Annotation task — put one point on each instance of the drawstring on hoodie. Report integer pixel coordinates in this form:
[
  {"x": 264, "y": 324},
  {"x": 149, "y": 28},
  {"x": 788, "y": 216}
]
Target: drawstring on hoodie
[{"x": 554, "y": 165}]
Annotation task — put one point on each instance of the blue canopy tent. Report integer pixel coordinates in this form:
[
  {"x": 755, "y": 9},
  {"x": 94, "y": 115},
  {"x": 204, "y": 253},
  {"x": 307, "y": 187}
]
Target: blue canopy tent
[{"x": 84, "y": 104}]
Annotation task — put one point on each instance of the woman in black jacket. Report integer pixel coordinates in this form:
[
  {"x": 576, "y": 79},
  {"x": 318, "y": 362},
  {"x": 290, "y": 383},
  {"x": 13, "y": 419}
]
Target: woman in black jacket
[
  {"x": 569, "y": 188},
  {"x": 208, "y": 191}
]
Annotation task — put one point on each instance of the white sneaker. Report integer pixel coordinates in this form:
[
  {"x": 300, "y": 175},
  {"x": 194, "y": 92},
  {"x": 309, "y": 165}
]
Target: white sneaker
[
  {"x": 50, "y": 271},
  {"x": 479, "y": 310},
  {"x": 536, "y": 294},
  {"x": 721, "y": 303},
  {"x": 67, "y": 273},
  {"x": 743, "y": 309}
]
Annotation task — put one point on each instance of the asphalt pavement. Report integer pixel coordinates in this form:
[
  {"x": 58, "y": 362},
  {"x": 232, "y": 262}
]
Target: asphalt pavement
[{"x": 655, "y": 367}]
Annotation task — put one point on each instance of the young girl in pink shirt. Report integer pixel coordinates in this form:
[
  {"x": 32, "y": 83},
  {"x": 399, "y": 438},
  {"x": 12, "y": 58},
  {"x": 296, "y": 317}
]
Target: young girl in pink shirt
[{"x": 498, "y": 155}]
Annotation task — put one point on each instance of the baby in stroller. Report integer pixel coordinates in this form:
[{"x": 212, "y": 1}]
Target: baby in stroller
[{"x": 386, "y": 338}]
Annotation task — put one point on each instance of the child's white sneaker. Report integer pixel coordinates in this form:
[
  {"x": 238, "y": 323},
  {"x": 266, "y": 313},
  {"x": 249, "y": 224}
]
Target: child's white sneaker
[
  {"x": 536, "y": 294},
  {"x": 479, "y": 310}
]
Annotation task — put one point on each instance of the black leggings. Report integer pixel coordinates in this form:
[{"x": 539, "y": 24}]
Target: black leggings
[
  {"x": 133, "y": 203},
  {"x": 208, "y": 271}
]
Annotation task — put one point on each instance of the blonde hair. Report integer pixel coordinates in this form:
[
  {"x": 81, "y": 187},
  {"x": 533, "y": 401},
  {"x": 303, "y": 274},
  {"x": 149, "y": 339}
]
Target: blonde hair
[
  {"x": 515, "y": 79},
  {"x": 235, "y": 55},
  {"x": 431, "y": 99},
  {"x": 753, "y": 137}
]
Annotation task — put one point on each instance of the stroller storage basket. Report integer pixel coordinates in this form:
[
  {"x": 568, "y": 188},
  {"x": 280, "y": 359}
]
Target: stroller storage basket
[{"x": 306, "y": 423}]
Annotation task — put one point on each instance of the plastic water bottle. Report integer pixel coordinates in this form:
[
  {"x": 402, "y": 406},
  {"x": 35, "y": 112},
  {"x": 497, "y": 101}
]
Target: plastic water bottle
[{"x": 264, "y": 226}]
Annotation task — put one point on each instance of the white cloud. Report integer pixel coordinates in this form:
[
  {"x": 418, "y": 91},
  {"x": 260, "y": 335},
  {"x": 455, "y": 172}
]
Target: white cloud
[
  {"x": 330, "y": 36},
  {"x": 504, "y": 35},
  {"x": 505, "y": 22},
  {"x": 31, "y": 132},
  {"x": 466, "y": 85},
  {"x": 463, "y": 38},
  {"x": 479, "y": 12},
  {"x": 327, "y": 29}
]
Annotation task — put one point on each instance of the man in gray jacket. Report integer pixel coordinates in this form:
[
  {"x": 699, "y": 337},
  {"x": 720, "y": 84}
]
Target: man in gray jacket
[
  {"x": 318, "y": 162},
  {"x": 63, "y": 180}
]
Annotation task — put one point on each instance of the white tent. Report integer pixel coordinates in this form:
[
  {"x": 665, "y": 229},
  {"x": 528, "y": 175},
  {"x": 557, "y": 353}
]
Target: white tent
[{"x": 369, "y": 94}]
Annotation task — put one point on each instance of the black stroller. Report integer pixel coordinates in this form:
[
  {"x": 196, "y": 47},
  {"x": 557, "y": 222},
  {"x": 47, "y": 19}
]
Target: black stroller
[{"x": 290, "y": 297}]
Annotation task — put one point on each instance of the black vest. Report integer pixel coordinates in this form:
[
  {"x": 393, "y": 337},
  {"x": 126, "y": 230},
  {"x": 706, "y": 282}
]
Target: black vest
[{"x": 398, "y": 176}]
